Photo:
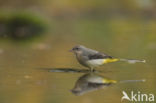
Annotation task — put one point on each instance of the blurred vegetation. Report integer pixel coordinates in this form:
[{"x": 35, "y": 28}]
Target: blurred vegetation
[
  {"x": 95, "y": 8},
  {"x": 21, "y": 25}
]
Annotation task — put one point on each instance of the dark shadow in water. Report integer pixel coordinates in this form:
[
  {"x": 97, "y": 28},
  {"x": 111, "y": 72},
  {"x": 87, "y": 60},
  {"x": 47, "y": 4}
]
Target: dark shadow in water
[
  {"x": 69, "y": 70},
  {"x": 72, "y": 70}
]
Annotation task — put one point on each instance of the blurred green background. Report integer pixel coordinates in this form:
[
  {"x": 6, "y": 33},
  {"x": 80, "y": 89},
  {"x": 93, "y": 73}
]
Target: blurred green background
[{"x": 37, "y": 34}]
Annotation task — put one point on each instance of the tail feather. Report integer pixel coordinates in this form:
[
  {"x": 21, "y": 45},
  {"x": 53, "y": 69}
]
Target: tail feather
[
  {"x": 109, "y": 60},
  {"x": 132, "y": 61}
]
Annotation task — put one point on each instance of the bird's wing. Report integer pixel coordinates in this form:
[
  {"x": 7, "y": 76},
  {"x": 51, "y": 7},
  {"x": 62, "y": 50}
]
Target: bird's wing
[{"x": 98, "y": 55}]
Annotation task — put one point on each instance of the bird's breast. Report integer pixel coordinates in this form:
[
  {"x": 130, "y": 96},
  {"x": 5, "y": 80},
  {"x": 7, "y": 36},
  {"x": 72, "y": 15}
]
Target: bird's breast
[{"x": 82, "y": 60}]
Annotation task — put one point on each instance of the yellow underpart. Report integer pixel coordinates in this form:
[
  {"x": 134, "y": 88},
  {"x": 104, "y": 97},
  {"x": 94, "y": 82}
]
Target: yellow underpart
[
  {"x": 109, "y": 81},
  {"x": 110, "y": 60}
]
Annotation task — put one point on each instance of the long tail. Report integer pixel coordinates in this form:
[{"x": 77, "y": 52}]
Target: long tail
[
  {"x": 128, "y": 81},
  {"x": 132, "y": 61}
]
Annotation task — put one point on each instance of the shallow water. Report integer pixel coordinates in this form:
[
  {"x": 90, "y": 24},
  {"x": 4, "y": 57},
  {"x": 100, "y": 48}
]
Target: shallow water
[{"x": 27, "y": 75}]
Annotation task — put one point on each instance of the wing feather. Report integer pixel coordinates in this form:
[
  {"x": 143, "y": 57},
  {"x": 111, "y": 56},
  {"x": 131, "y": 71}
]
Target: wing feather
[{"x": 99, "y": 56}]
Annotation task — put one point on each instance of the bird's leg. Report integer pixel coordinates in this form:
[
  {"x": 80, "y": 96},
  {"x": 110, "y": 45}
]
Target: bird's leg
[{"x": 92, "y": 69}]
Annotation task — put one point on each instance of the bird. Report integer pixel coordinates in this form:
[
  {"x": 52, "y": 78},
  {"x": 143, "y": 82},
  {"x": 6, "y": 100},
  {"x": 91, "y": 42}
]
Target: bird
[{"x": 91, "y": 58}]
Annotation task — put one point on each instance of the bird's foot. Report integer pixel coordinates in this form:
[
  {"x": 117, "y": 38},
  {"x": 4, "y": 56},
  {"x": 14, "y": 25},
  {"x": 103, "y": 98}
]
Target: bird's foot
[{"x": 92, "y": 70}]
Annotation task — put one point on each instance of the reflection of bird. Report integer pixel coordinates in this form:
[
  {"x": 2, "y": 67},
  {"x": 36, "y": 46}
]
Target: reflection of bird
[
  {"x": 90, "y": 82},
  {"x": 91, "y": 58},
  {"x": 125, "y": 96}
]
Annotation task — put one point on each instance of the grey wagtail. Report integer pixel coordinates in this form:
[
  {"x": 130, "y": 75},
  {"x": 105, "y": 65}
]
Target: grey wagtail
[{"x": 92, "y": 58}]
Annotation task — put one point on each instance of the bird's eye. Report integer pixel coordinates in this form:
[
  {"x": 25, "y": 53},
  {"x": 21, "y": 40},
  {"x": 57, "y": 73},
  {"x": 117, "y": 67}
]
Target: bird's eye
[{"x": 76, "y": 48}]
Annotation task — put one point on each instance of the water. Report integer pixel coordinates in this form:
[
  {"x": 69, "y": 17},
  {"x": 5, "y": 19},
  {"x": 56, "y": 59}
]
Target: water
[{"x": 27, "y": 72}]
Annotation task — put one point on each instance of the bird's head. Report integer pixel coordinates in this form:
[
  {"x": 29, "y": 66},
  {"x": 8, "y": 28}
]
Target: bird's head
[{"x": 77, "y": 49}]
